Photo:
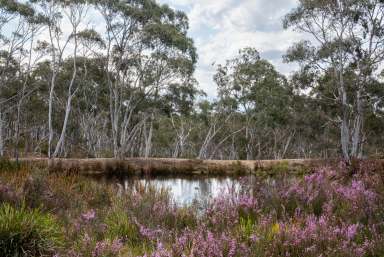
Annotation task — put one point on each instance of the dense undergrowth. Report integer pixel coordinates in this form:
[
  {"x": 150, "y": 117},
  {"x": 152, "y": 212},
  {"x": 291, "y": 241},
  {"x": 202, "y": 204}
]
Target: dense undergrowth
[{"x": 332, "y": 212}]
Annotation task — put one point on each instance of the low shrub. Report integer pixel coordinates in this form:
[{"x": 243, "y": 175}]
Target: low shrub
[
  {"x": 27, "y": 233},
  {"x": 8, "y": 165}
]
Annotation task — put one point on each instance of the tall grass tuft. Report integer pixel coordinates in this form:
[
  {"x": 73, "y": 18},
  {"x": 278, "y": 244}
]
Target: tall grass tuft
[{"x": 28, "y": 233}]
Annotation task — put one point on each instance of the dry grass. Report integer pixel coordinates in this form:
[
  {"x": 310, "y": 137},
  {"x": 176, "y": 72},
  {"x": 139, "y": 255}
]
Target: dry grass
[{"x": 158, "y": 166}]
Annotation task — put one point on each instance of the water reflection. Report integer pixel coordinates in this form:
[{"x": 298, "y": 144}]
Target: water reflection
[{"x": 185, "y": 190}]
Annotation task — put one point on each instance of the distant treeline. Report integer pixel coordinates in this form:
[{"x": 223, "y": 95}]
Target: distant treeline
[{"x": 126, "y": 87}]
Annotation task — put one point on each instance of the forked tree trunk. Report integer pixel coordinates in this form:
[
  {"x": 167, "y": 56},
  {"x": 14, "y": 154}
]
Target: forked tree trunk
[{"x": 75, "y": 18}]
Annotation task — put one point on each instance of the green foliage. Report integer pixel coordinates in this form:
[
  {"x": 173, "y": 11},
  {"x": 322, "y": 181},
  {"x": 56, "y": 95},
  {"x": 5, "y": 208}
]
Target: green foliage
[
  {"x": 254, "y": 87},
  {"x": 89, "y": 37},
  {"x": 246, "y": 227},
  {"x": 28, "y": 233},
  {"x": 13, "y": 6},
  {"x": 8, "y": 165}
]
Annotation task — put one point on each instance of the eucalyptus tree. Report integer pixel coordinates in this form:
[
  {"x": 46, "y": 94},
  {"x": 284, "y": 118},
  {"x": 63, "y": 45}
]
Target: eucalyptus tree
[
  {"x": 18, "y": 25},
  {"x": 214, "y": 118},
  {"x": 147, "y": 48},
  {"x": 252, "y": 87},
  {"x": 179, "y": 105},
  {"x": 348, "y": 42},
  {"x": 28, "y": 60},
  {"x": 74, "y": 12},
  {"x": 91, "y": 107}
]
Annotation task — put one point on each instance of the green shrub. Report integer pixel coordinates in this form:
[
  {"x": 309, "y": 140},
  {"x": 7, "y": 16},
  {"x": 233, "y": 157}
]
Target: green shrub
[
  {"x": 8, "y": 165},
  {"x": 27, "y": 233}
]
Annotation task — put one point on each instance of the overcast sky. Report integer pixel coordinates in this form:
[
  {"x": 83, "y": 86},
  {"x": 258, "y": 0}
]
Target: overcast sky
[{"x": 221, "y": 27}]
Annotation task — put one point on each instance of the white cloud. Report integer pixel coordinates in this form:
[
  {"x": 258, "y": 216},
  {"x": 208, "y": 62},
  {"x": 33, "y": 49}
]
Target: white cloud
[{"x": 221, "y": 27}]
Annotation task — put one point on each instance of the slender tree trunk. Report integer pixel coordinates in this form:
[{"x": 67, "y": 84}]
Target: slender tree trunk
[
  {"x": 60, "y": 143},
  {"x": 232, "y": 155},
  {"x": 287, "y": 144},
  {"x": 176, "y": 150},
  {"x": 115, "y": 123},
  {"x": 1, "y": 135},
  {"x": 357, "y": 129},
  {"x": 51, "y": 94},
  {"x": 249, "y": 144},
  {"x": 21, "y": 100},
  {"x": 75, "y": 20},
  {"x": 205, "y": 145},
  {"x": 182, "y": 134},
  {"x": 17, "y": 136},
  {"x": 345, "y": 142},
  {"x": 148, "y": 141}
]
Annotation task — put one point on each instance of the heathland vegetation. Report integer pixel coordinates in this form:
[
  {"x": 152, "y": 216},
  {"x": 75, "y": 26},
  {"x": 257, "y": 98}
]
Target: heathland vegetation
[
  {"x": 126, "y": 88},
  {"x": 334, "y": 211}
]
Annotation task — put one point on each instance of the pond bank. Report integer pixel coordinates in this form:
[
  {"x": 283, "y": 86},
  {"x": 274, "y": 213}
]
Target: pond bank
[{"x": 158, "y": 166}]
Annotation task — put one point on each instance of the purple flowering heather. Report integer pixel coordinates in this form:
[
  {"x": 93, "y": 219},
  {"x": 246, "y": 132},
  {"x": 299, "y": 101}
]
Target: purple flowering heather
[
  {"x": 151, "y": 234},
  {"x": 89, "y": 215},
  {"x": 99, "y": 249}
]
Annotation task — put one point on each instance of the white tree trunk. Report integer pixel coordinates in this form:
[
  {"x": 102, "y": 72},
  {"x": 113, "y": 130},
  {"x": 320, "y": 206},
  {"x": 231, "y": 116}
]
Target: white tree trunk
[
  {"x": 357, "y": 129},
  {"x": 148, "y": 141},
  {"x": 344, "y": 130},
  {"x": 21, "y": 100},
  {"x": 76, "y": 15},
  {"x": 1, "y": 135},
  {"x": 51, "y": 91}
]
